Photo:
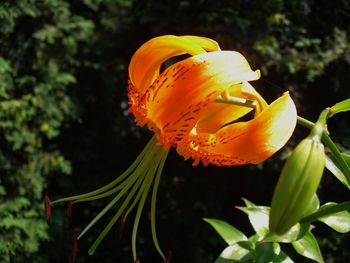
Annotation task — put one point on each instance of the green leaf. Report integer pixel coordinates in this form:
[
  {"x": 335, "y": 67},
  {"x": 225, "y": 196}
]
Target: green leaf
[
  {"x": 228, "y": 232},
  {"x": 248, "y": 203},
  {"x": 258, "y": 216},
  {"x": 337, "y": 172},
  {"x": 308, "y": 247},
  {"x": 334, "y": 215},
  {"x": 339, "y": 221},
  {"x": 266, "y": 251},
  {"x": 282, "y": 258},
  {"x": 346, "y": 158},
  {"x": 340, "y": 107},
  {"x": 235, "y": 253},
  {"x": 254, "y": 238},
  {"x": 296, "y": 232}
]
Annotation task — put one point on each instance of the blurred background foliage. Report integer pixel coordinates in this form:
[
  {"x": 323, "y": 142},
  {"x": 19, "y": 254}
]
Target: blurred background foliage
[{"x": 64, "y": 125}]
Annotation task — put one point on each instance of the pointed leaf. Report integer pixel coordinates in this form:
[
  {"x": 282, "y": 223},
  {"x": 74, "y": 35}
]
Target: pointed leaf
[
  {"x": 346, "y": 157},
  {"x": 282, "y": 258},
  {"x": 234, "y": 253},
  {"x": 254, "y": 238},
  {"x": 248, "y": 203},
  {"x": 339, "y": 221},
  {"x": 266, "y": 252},
  {"x": 337, "y": 172},
  {"x": 308, "y": 247},
  {"x": 340, "y": 107},
  {"x": 258, "y": 217},
  {"x": 331, "y": 209},
  {"x": 228, "y": 232}
]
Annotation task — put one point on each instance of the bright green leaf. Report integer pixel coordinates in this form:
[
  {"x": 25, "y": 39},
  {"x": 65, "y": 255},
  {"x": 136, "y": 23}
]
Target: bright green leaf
[
  {"x": 339, "y": 221},
  {"x": 308, "y": 247},
  {"x": 254, "y": 238},
  {"x": 234, "y": 253},
  {"x": 296, "y": 232},
  {"x": 282, "y": 258},
  {"x": 333, "y": 168},
  {"x": 346, "y": 158},
  {"x": 228, "y": 232},
  {"x": 340, "y": 107},
  {"x": 334, "y": 215},
  {"x": 248, "y": 203},
  {"x": 258, "y": 217}
]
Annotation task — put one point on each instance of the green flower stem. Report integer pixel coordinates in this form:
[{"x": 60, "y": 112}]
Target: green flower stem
[
  {"x": 336, "y": 154},
  {"x": 132, "y": 167},
  {"x": 148, "y": 182},
  {"x": 133, "y": 177},
  {"x": 316, "y": 131},
  {"x": 345, "y": 206},
  {"x": 318, "y": 128},
  {"x": 153, "y": 204},
  {"x": 237, "y": 101}
]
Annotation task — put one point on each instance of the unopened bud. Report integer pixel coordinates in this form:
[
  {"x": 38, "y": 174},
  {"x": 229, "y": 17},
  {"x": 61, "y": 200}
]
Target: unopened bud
[{"x": 297, "y": 184}]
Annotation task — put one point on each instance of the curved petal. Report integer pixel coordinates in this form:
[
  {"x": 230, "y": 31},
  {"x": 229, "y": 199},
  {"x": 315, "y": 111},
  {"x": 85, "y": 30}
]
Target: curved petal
[
  {"x": 180, "y": 96},
  {"x": 145, "y": 64},
  {"x": 244, "y": 142},
  {"x": 219, "y": 114}
]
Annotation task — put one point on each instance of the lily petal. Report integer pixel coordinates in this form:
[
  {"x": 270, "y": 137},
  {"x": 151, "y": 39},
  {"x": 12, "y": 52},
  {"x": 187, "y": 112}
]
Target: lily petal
[
  {"x": 244, "y": 142},
  {"x": 145, "y": 64},
  {"x": 179, "y": 97}
]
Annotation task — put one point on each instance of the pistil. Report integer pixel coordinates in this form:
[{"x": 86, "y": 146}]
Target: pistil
[{"x": 236, "y": 101}]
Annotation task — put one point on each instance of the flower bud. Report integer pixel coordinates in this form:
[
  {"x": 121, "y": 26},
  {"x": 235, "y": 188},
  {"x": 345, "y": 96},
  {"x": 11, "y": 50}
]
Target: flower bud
[{"x": 297, "y": 184}]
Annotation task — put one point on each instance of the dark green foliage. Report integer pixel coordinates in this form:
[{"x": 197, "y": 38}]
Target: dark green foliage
[
  {"x": 39, "y": 41},
  {"x": 63, "y": 81}
]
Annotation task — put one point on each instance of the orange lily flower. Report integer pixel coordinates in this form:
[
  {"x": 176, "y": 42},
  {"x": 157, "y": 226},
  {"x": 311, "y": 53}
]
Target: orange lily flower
[
  {"x": 194, "y": 106},
  {"x": 180, "y": 103}
]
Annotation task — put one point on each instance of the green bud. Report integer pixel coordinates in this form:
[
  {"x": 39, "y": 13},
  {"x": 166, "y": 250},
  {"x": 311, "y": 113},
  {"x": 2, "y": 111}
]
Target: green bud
[{"x": 297, "y": 184}]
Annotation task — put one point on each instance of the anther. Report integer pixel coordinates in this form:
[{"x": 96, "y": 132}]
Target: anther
[
  {"x": 74, "y": 251},
  {"x": 69, "y": 213},
  {"x": 168, "y": 257},
  {"x": 121, "y": 226},
  {"x": 47, "y": 208}
]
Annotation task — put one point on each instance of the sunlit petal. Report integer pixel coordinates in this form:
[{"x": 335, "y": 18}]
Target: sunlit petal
[
  {"x": 180, "y": 96},
  {"x": 147, "y": 60},
  {"x": 244, "y": 142}
]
